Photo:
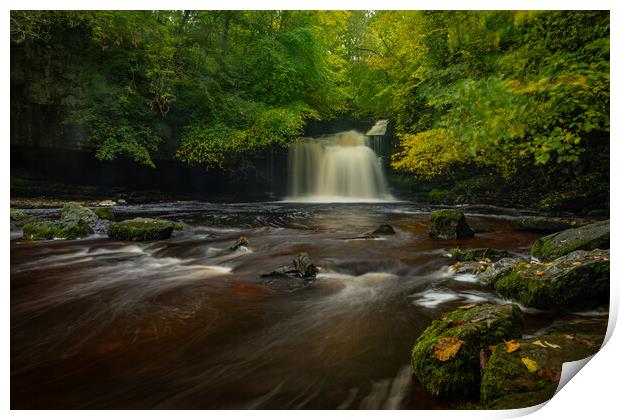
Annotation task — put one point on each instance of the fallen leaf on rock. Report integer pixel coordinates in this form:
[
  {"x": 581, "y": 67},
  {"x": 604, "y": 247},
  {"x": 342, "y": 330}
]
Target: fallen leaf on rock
[
  {"x": 528, "y": 265},
  {"x": 471, "y": 305},
  {"x": 584, "y": 342},
  {"x": 570, "y": 337},
  {"x": 492, "y": 347},
  {"x": 554, "y": 346},
  {"x": 530, "y": 364},
  {"x": 446, "y": 348},
  {"x": 540, "y": 273},
  {"x": 481, "y": 318},
  {"x": 444, "y": 317},
  {"x": 538, "y": 343},
  {"x": 576, "y": 263},
  {"x": 549, "y": 374},
  {"x": 512, "y": 345},
  {"x": 455, "y": 324}
]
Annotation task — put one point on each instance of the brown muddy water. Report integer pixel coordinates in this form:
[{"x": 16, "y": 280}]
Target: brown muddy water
[{"x": 185, "y": 323}]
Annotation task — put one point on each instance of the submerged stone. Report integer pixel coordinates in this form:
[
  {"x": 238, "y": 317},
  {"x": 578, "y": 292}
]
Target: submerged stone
[
  {"x": 530, "y": 374},
  {"x": 472, "y": 328},
  {"x": 142, "y": 229},
  {"x": 449, "y": 224},
  {"x": 302, "y": 267},
  {"x": 384, "y": 229},
  {"x": 577, "y": 280},
  {"x": 588, "y": 237},
  {"x": 242, "y": 241}
]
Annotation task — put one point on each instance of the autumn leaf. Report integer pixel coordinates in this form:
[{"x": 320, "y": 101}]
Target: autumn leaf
[
  {"x": 471, "y": 305},
  {"x": 446, "y": 348},
  {"x": 455, "y": 324},
  {"x": 444, "y": 317},
  {"x": 512, "y": 346},
  {"x": 570, "y": 337},
  {"x": 480, "y": 318},
  {"x": 584, "y": 342},
  {"x": 492, "y": 347},
  {"x": 540, "y": 273},
  {"x": 576, "y": 263},
  {"x": 538, "y": 343},
  {"x": 549, "y": 374},
  {"x": 554, "y": 346},
  {"x": 530, "y": 364}
]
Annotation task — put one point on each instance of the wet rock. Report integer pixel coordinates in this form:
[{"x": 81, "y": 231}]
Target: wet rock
[
  {"x": 105, "y": 214},
  {"x": 588, "y": 237},
  {"x": 120, "y": 201},
  {"x": 302, "y": 267},
  {"x": 142, "y": 229},
  {"x": 384, "y": 229},
  {"x": 19, "y": 218},
  {"x": 479, "y": 254},
  {"x": 449, "y": 224},
  {"x": 546, "y": 224},
  {"x": 469, "y": 267},
  {"x": 530, "y": 374},
  {"x": 498, "y": 269},
  {"x": 73, "y": 212},
  {"x": 56, "y": 230},
  {"x": 577, "y": 280},
  {"x": 242, "y": 241},
  {"x": 440, "y": 369}
]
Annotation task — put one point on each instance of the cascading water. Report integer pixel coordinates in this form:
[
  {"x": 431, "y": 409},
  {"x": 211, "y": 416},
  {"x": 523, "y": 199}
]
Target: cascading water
[{"x": 340, "y": 167}]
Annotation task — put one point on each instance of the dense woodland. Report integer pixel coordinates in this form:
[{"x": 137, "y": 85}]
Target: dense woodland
[{"x": 497, "y": 106}]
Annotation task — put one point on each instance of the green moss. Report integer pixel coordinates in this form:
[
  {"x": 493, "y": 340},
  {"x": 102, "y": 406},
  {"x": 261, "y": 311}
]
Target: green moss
[
  {"x": 449, "y": 224},
  {"x": 588, "y": 237},
  {"x": 478, "y": 254},
  {"x": 578, "y": 280},
  {"x": 74, "y": 212},
  {"x": 506, "y": 381},
  {"x": 105, "y": 213},
  {"x": 56, "y": 230},
  {"x": 478, "y": 327},
  {"x": 142, "y": 229},
  {"x": 439, "y": 196}
]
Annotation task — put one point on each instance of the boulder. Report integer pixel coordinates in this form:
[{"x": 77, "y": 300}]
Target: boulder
[
  {"x": 529, "y": 374},
  {"x": 577, "y": 280},
  {"x": 384, "y": 229},
  {"x": 546, "y": 224},
  {"x": 479, "y": 254},
  {"x": 588, "y": 237},
  {"x": 498, "y": 269},
  {"x": 19, "y": 218},
  {"x": 56, "y": 230},
  {"x": 302, "y": 267},
  {"x": 142, "y": 229},
  {"x": 449, "y": 224},
  {"x": 73, "y": 212},
  {"x": 446, "y": 357}
]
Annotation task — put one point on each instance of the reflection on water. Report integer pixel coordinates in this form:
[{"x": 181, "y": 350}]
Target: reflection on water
[{"x": 186, "y": 323}]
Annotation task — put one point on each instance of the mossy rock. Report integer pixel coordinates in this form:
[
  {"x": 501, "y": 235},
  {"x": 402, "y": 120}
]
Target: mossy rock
[
  {"x": 74, "y": 212},
  {"x": 546, "y": 224},
  {"x": 142, "y": 229},
  {"x": 56, "y": 230},
  {"x": 588, "y": 237},
  {"x": 479, "y": 254},
  {"x": 20, "y": 218},
  {"x": 508, "y": 383},
  {"x": 577, "y": 280},
  {"x": 105, "y": 213},
  {"x": 449, "y": 224},
  {"x": 498, "y": 269},
  {"x": 477, "y": 327}
]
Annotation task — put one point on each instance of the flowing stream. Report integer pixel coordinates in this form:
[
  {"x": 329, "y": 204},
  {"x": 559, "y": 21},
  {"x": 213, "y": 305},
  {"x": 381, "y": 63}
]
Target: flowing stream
[
  {"x": 186, "y": 323},
  {"x": 336, "y": 168}
]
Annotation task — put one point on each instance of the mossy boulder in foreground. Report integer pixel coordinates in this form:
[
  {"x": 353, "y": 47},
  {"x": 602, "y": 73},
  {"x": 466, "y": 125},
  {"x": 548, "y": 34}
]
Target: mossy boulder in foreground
[
  {"x": 588, "y": 237},
  {"x": 530, "y": 373},
  {"x": 446, "y": 357},
  {"x": 142, "y": 229},
  {"x": 449, "y": 224},
  {"x": 577, "y": 280},
  {"x": 56, "y": 230}
]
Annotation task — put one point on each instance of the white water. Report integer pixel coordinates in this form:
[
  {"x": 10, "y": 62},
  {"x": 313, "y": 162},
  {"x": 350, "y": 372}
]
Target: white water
[{"x": 337, "y": 168}]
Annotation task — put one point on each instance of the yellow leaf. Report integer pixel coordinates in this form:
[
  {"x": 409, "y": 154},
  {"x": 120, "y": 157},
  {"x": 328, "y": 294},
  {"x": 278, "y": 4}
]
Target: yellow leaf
[
  {"x": 538, "y": 343},
  {"x": 554, "y": 346},
  {"x": 512, "y": 345},
  {"x": 446, "y": 348},
  {"x": 540, "y": 273},
  {"x": 530, "y": 364},
  {"x": 492, "y": 347}
]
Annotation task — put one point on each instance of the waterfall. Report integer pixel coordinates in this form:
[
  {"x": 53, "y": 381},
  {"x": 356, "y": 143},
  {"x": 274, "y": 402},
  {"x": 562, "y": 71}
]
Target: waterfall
[{"x": 339, "y": 167}]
